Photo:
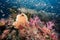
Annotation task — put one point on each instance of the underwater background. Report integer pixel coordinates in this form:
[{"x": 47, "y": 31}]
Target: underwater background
[{"x": 52, "y": 6}]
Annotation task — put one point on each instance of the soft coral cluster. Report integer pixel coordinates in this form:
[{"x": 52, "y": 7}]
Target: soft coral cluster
[{"x": 34, "y": 29}]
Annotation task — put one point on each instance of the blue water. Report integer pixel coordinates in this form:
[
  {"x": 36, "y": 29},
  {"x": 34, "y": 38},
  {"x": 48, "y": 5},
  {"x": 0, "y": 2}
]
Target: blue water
[{"x": 52, "y": 6}]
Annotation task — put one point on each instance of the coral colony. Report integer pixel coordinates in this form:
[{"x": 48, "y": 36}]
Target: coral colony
[{"x": 24, "y": 29}]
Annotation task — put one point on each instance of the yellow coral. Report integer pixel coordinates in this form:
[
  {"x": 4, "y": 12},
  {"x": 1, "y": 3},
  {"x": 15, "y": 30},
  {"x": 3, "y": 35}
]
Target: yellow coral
[{"x": 21, "y": 19}]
